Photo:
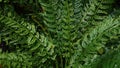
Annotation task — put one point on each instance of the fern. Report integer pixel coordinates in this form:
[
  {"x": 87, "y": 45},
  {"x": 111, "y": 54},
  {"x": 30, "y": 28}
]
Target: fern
[
  {"x": 58, "y": 33},
  {"x": 25, "y": 35},
  {"x": 15, "y": 60}
]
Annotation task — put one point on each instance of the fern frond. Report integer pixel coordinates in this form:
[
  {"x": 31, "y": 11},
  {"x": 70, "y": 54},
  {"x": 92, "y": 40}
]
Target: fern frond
[
  {"x": 15, "y": 60},
  {"x": 32, "y": 42}
]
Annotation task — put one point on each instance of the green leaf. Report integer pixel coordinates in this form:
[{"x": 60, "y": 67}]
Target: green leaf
[
  {"x": 36, "y": 46},
  {"x": 30, "y": 37}
]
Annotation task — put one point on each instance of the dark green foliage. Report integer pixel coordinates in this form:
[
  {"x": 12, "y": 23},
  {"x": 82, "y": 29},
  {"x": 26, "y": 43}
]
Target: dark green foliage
[
  {"x": 59, "y": 33},
  {"x": 109, "y": 60}
]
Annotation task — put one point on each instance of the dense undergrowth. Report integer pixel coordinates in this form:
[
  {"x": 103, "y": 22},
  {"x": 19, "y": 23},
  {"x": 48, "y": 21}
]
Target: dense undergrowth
[{"x": 59, "y": 33}]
